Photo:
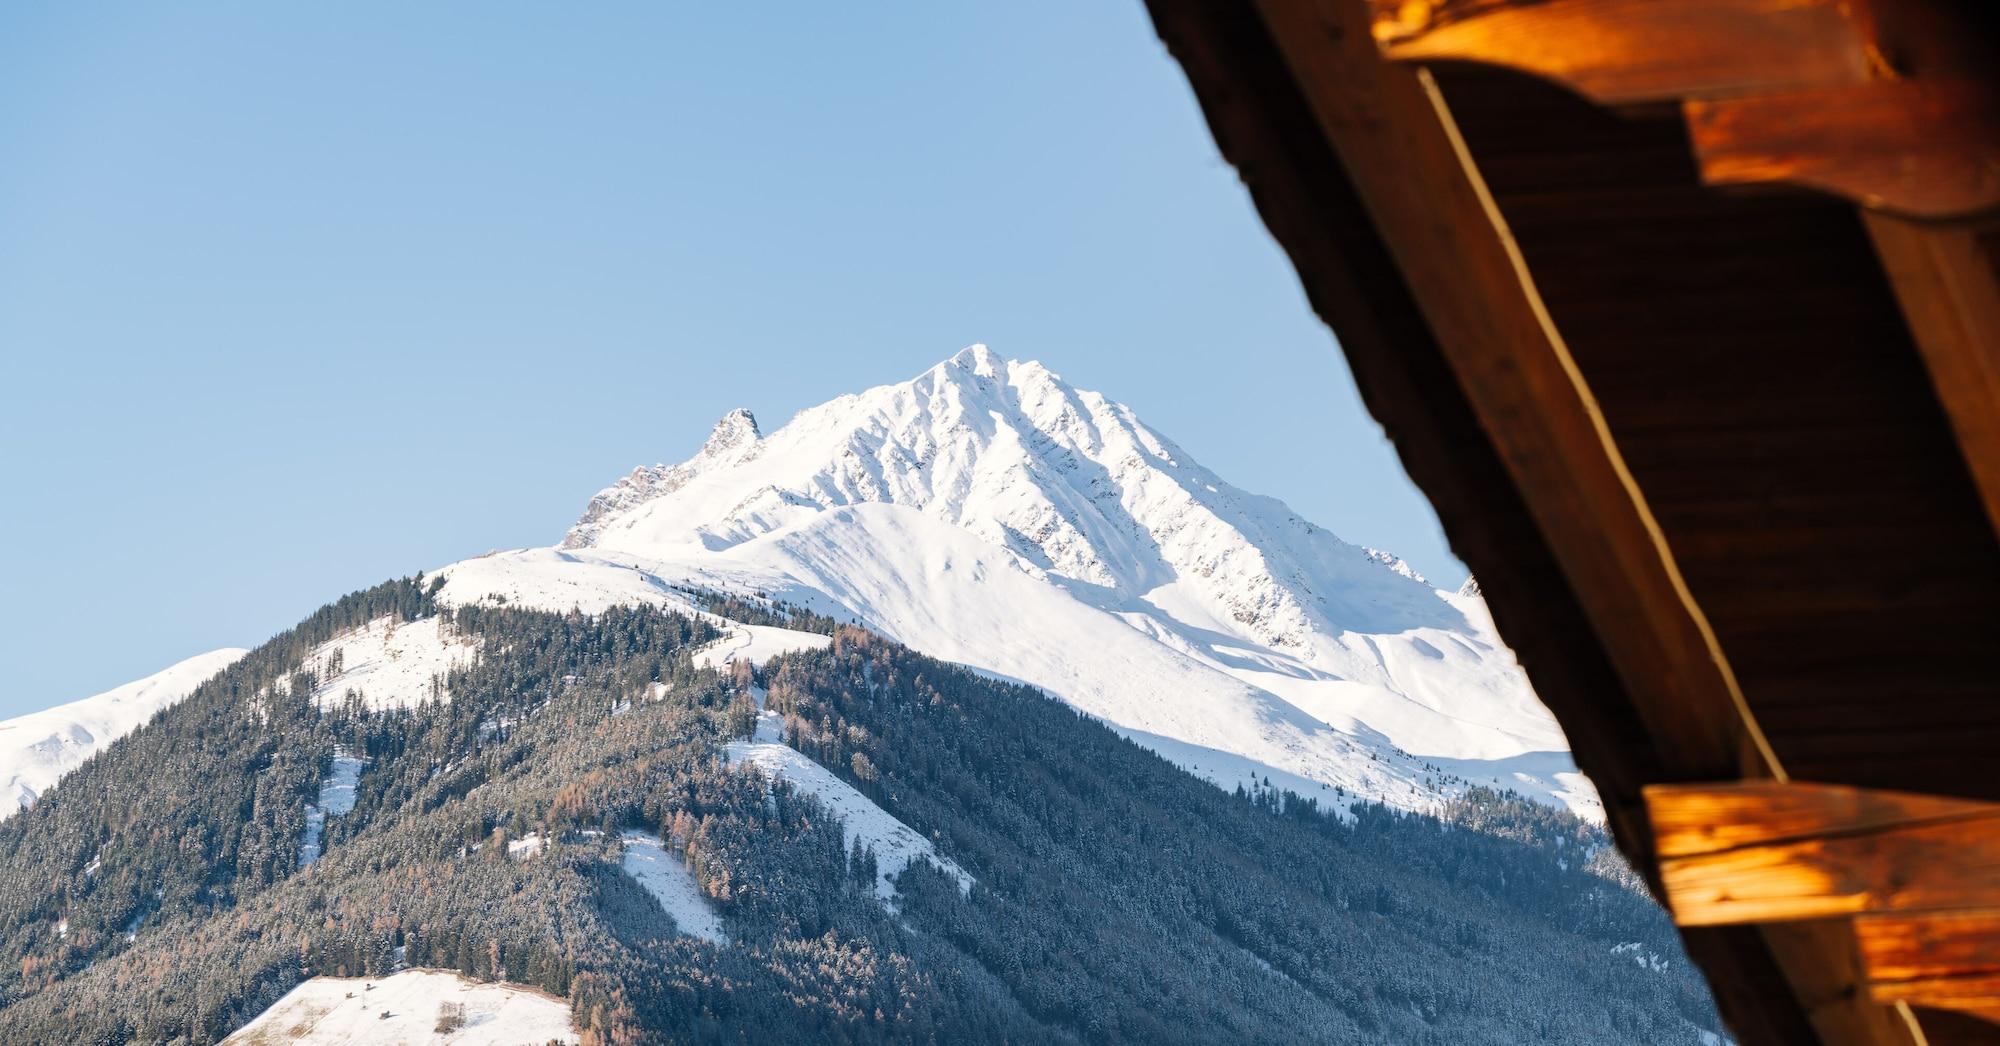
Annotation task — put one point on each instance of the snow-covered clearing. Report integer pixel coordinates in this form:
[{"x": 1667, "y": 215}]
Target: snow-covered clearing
[
  {"x": 757, "y": 644},
  {"x": 403, "y": 1009},
  {"x": 661, "y": 872},
  {"x": 392, "y": 664}
]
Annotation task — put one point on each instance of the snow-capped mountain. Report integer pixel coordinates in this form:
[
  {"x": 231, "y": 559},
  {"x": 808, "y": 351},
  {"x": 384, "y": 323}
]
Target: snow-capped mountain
[
  {"x": 38, "y": 748},
  {"x": 989, "y": 513}
]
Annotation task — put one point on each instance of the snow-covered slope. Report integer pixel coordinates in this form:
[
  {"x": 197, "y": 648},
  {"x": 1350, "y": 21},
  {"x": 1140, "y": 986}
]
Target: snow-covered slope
[
  {"x": 38, "y": 748},
  {"x": 405, "y": 1008},
  {"x": 648, "y": 859},
  {"x": 989, "y": 513},
  {"x": 862, "y": 820}
]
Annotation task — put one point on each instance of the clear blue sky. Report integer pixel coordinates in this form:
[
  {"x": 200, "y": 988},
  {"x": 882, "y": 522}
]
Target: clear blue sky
[{"x": 298, "y": 297}]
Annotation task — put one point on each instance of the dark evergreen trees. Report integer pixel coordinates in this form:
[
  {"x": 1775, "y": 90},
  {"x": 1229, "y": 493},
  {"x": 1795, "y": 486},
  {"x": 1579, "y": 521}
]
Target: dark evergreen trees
[{"x": 1118, "y": 899}]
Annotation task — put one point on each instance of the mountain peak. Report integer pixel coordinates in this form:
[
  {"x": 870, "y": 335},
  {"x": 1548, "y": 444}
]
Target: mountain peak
[
  {"x": 976, "y": 358},
  {"x": 1068, "y": 483},
  {"x": 735, "y": 433}
]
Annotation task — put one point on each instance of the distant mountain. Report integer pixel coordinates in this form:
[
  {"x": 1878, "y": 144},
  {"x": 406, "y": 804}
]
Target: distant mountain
[
  {"x": 869, "y": 729},
  {"x": 38, "y": 748},
  {"x": 989, "y": 513}
]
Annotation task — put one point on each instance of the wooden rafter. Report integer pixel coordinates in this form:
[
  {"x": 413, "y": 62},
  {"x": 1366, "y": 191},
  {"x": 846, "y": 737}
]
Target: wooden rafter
[
  {"x": 1946, "y": 279},
  {"x": 1944, "y": 960},
  {"x": 1763, "y": 852},
  {"x": 1622, "y": 51},
  {"x": 1890, "y": 105},
  {"x": 1926, "y": 148}
]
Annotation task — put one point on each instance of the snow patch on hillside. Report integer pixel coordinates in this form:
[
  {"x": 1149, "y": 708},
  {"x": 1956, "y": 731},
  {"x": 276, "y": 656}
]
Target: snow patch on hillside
[
  {"x": 391, "y": 663},
  {"x": 658, "y": 869},
  {"x": 403, "y": 1009},
  {"x": 757, "y": 644},
  {"x": 336, "y": 799},
  {"x": 1646, "y": 957},
  {"x": 556, "y": 580},
  {"x": 895, "y": 843},
  {"x": 37, "y": 749}
]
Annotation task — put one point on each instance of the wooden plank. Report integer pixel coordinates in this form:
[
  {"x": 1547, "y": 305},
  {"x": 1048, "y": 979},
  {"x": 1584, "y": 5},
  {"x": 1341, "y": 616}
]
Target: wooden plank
[
  {"x": 1756, "y": 852},
  {"x": 1397, "y": 143},
  {"x": 1946, "y": 281},
  {"x": 1691, "y": 820},
  {"x": 1926, "y": 957},
  {"x": 1941, "y": 960},
  {"x": 1622, "y": 51},
  {"x": 1925, "y": 148}
]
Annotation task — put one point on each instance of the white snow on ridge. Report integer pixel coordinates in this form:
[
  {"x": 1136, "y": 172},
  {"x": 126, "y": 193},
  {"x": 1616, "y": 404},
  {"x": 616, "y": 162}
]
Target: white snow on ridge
[
  {"x": 555, "y": 579},
  {"x": 404, "y": 1008},
  {"x": 37, "y": 749},
  {"x": 987, "y": 513},
  {"x": 658, "y": 869}
]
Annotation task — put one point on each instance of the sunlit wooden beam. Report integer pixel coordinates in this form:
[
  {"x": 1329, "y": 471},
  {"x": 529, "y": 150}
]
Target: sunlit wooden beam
[
  {"x": 1760, "y": 852},
  {"x": 1621, "y": 51},
  {"x": 1924, "y": 148},
  {"x": 1941, "y": 960}
]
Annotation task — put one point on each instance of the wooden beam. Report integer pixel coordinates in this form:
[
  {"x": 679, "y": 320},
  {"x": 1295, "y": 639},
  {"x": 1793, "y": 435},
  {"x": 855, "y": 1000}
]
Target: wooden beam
[
  {"x": 1919, "y": 148},
  {"x": 1764, "y": 852},
  {"x": 1943, "y": 960},
  {"x": 1621, "y": 51},
  {"x": 1946, "y": 281}
]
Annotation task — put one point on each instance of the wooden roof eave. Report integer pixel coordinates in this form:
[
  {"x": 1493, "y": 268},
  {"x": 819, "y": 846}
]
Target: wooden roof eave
[{"x": 1354, "y": 165}]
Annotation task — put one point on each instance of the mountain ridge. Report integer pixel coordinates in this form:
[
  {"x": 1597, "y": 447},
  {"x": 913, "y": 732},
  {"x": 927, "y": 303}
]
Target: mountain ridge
[
  {"x": 990, "y": 513},
  {"x": 1361, "y": 674},
  {"x": 38, "y": 748}
]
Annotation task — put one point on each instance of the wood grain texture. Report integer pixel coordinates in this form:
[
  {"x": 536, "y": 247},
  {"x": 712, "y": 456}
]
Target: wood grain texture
[
  {"x": 1757, "y": 852},
  {"x": 1927, "y": 148},
  {"x": 1622, "y": 51},
  {"x": 1691, "y": 820},
  {"x": 1938, "y": 960}
]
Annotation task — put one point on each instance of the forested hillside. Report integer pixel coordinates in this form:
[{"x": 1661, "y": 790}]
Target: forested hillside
[{"x": 157, "y": 893}]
